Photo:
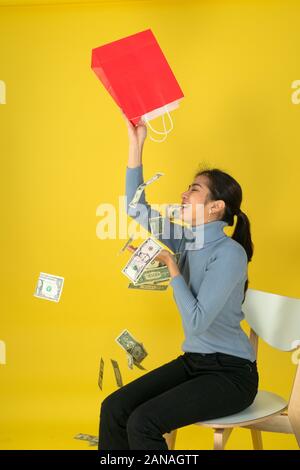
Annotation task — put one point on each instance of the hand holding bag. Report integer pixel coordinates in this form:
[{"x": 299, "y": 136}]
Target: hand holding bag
[{"x": 137, "y": 75}]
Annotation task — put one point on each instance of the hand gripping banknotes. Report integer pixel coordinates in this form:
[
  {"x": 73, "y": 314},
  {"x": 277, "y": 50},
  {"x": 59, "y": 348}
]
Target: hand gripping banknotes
[{"x": 141, "y": 258}]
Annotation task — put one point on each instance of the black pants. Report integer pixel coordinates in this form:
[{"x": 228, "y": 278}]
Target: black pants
[{"x": 193, "y": 387}]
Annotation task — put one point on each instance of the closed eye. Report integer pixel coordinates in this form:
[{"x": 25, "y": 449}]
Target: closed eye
[{"x": 193, "y": 188}]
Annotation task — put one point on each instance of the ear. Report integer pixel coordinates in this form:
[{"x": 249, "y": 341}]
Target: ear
[{"x": 218, "y": 205}]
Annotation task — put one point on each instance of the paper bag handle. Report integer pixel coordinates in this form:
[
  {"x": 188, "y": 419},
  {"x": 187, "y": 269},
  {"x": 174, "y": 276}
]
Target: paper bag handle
[{"x": 166, "y": 132}]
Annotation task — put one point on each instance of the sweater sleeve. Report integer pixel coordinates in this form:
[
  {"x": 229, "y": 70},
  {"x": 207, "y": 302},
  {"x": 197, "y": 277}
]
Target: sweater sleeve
[
  {"x": 223, "y": 273},
  {"x": 172, "y": 234}
]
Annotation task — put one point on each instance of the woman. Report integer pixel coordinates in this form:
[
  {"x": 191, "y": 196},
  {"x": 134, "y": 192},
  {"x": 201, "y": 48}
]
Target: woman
[{"x": 217, "y": 374}]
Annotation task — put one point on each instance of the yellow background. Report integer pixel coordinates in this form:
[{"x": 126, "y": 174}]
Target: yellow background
[{"x": 63, "y": 152}]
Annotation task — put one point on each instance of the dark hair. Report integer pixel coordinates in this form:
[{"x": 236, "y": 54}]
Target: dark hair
[{"x": 223, "y": 186}]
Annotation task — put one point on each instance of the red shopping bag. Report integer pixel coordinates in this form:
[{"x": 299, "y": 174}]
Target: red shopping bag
[{"x": 137, "y": 75}]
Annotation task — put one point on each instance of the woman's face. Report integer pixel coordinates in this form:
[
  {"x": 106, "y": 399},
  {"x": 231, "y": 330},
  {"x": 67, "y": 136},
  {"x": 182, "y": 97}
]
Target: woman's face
[{"x": 197, "y": 197}]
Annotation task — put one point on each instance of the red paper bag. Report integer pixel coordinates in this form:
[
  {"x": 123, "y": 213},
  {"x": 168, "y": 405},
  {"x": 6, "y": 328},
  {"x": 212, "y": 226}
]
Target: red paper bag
[{"x": 136, "y": 73}]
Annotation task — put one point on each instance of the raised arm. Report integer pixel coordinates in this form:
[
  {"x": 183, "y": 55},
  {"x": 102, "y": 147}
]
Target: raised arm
[{"x": 171, "y": 237}]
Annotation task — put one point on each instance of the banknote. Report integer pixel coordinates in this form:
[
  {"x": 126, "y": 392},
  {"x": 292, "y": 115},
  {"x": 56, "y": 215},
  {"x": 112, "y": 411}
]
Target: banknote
[
  {"x": 155, "y": 273},
  {"x": 130, "y": 239},
  {"x": 177, "y": 257},
  {"x": 158, "y": 287},
  {"x": 159, "y": 274},
  {"x": 174, "y": 211},
  {"x": 49, "y": 287},
  {"x": 157, "y": 225},
  {"x": 154, "y": 264},
  {"x": 101, "y": 370},
  {"x": 130, "y": 361},
  {"x": 141, "y": 258},
  {"x": 93, "y": 440},
  {"x": 138, "y": 365},
  {"x": 117, "y": 373},
  {"x": 132, "y": 346},
  {"x": 133, "y": 203}
]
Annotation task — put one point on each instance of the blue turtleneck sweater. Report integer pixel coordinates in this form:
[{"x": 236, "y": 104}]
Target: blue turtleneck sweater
[{"x": 209, "y": 290}]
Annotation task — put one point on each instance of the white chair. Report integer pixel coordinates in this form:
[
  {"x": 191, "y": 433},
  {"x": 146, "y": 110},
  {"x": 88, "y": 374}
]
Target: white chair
[{"x": 275, "y": 319}]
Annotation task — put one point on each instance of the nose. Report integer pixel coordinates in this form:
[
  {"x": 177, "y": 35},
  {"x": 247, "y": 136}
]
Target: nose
[{"x": 184, "y": 195}]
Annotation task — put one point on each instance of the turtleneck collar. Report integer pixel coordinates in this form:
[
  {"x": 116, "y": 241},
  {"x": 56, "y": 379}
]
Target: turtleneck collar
[{"x": 213, "y": 231}]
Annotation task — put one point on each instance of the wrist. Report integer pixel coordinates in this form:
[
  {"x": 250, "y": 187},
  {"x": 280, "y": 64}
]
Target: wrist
[
  {"x": 136, "y": 148},
  {"x": 135, "y": 155},
  {"x": 172, "y": 267}
]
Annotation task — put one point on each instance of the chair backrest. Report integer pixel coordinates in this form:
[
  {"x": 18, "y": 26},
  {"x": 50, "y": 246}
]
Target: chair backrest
[{"x": 274, "y": 318}]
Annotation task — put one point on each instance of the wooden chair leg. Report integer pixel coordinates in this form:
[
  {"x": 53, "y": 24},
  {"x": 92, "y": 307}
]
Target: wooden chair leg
[
  {"x": 170, "y": 439},
  {"x": 221, "y": 436},
  {"x": 295, "y": 424},
  {"x": 257, "y": 439}
]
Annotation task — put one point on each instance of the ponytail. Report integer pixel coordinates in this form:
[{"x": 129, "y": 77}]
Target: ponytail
[{"x": 242, "y": 233}]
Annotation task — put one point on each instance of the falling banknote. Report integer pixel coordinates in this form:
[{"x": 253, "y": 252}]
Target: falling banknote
[
  {"x": 132, "y": 347},
  {"x": 130, "y": 239},
  {"x": 49, "y": 287},
  {"x": 141, "y": 258},
  {"x": 117, "y": 373},
  {"x": 141, "y": 188},
  {"x": 151, "y": 287},
  {"x": 93, "y": 440},
  {"x": 157, "y": 226},
  {"x": 174, "y": 211},
  {"x": 101, "y": 370}
]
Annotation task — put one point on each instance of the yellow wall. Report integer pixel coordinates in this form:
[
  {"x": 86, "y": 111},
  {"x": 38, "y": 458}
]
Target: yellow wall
[{"x": 64, "y": 151}]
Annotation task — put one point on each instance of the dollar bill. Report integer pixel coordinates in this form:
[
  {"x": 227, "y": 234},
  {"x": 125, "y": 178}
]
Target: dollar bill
[
  {"x": 138, "y": 365},
  {"x": 130, "y": 361},
  {"x": 133, "y": 203},
  {"x": 174, "y": 211},
  {"x": 117, "y": 373},
  {"x": 177, "y": 257},
  {"x": 49, "y": 287},
  {"x": 93, "y": 440},
  {"x": 156, "y": 273},
  {"x": 130, "y": 239},
  {"x": 160, "y": 274},
  {"x": 154, "y": 264},
  {"x": 141, "y": 258},
  {"x": 132, "y": 346},
  {"x": 158, "y": 287},
  {"x": 101, "y": 370},
  {"x": 157, "y": 225}
]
